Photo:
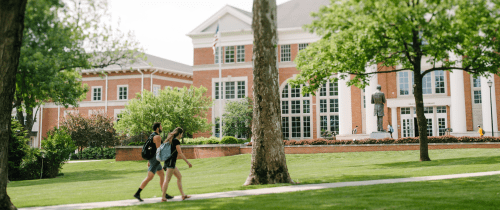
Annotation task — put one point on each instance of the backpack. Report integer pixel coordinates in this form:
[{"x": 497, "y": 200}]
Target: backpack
[
  {"x": 149, "y": 148},
  {"x": 164, "y": 152}
]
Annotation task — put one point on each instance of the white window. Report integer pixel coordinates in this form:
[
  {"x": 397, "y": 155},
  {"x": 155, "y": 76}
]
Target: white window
[
  {"x": 156, "y": 90},
  {"x": 217, "y": 91},
  {"x": 118, "y": 114},
  {"x": 441, "y": 109},
  {"x": 476, "y": 82},
  {"x": 441, "y": 126},
  {"x": 429, "y": 127},
  {"x": 329, "y": 107},
  {"x": 303, "y": 46},
  {"x": 229, "y": 54},
  {"x": 123, "y": 92},
  {"x": 286, "y": 54},
  {"x": 72, "y": 112},
  {"x": 217, "y": 127},
  {"x": 241, "y": 89},
  {"x": 439, "y": 81},
  {"x": 295, "y": 113},
  {"x": 240, "y": 53},
  {"x": 230, "y": 90},
  {"x": 428, "y": 110},
  {"x": 477, "y": 97},
  {"x": 96, "y": 93},
  {"x": 432, "y": 83},
  {"x": 217, "y": 54},
  {"x": 405, "y": 110}
]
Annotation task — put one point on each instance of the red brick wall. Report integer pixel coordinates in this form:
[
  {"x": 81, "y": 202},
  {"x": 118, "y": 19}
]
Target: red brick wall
[
  {"x": 468, "y": 101},
  {"x": 198, "y": 152},
  {"x": 356, "y": 106},
  {"x": 203, "y": 56}
]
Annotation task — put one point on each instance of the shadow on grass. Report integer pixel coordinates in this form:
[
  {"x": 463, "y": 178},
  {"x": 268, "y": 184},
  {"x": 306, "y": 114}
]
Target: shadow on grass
[
  {"x": 444, "y": 162},
  {"x": 79, "y": 176}
]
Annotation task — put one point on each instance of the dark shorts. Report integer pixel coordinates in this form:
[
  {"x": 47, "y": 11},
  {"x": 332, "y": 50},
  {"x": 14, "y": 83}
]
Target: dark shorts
[
  {"x": 170, "y": 163},
  {"x": 154, "y": 165}
]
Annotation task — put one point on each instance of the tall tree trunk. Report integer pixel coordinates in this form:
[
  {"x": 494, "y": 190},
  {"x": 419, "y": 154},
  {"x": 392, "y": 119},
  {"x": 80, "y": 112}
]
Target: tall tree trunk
[
  {"x": 11, "y": 33},
  {"x": 268, "y": 152},
  {"x": 421, "y": 120}
]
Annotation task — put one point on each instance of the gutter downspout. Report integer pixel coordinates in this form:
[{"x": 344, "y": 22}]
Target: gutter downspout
[
  {"x": 152, "y": 79},
  {"x": 142, "y": 81},
  {"x": 106, "y": 98},
  {"x": 58, "y": 115}
]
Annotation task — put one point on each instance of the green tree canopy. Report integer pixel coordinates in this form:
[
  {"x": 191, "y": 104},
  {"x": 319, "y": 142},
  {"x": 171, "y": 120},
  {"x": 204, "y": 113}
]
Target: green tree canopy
[
  {"x": 177, "y": 107},
  {"x": 356, "y": 34},
  {"x": 61, "y": 37}
]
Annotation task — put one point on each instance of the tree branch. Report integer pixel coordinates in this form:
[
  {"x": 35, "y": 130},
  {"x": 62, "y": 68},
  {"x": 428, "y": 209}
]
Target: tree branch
[{"x": 377, "y": 72}]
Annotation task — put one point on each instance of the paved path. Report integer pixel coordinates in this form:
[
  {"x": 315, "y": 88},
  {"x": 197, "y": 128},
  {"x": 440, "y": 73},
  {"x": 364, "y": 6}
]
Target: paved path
[{"x": 292, "y": 188}]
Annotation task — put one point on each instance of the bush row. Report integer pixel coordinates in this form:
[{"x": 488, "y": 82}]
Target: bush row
[
  {"x": 204, "y": 140},
  {"x": 407, "y": 140},
  {"x": 94, "y": 153}
]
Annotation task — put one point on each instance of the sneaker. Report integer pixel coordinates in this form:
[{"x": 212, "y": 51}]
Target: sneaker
[
  {"x": 168, "y": 196},
  {"x": 138, "y": 197}
]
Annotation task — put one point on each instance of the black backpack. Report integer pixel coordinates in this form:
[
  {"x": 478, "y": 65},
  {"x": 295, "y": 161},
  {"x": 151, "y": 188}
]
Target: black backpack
[{"x": 149, "y": 148}]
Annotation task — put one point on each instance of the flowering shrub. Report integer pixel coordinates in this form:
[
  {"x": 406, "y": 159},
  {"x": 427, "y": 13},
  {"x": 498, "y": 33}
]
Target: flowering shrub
[{"x": 406, "y": 140}]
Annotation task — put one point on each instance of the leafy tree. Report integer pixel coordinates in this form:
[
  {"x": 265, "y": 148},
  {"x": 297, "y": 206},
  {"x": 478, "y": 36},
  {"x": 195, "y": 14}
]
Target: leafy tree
[
  {"x": 91, "y": 131},
  {"x": 177, "y": 107},
  {"x": 57, "y": 148},
  {"x": 60, "y": 37},
  {"x": 18, "y": 148},
  {"x": 11, "y": 34},
  {"x": 237, "y": 118},
  {"x": 268, "y": 152},
  {"x": 398, "y": 36}
]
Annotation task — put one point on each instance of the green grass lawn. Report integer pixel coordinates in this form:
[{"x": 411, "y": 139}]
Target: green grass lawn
[
  {"x": 109, "y": 180},
  {"x": 466, "y": 193}
]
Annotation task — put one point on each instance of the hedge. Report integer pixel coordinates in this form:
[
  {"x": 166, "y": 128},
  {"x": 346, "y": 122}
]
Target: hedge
[{"x": 407, "y": 140}]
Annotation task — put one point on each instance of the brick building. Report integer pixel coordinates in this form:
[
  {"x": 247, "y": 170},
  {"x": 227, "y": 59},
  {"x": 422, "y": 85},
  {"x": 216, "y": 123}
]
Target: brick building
[
  {"x": 110, "y": 93},
  {"x": 452, "y": 100}
]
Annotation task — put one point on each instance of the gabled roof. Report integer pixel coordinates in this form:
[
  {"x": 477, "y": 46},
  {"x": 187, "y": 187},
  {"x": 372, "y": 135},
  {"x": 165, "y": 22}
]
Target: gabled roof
[
  {"x": 291, "y": 14},
  {"x": 163, "y": 63}
]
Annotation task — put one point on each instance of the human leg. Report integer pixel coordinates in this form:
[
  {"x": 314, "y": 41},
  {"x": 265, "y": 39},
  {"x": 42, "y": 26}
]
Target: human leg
[
  {"x": 178, "y": 175},
  {"x": 145, "y": 182},
  {"x": 170, "y": 172}
]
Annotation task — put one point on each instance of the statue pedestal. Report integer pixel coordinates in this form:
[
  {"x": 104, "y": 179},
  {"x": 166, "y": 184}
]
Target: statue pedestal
[{"x": 380, "y": 135}]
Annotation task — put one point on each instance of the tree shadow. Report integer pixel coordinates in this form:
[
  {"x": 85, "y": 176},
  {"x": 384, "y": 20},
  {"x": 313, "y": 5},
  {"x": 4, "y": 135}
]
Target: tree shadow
[
  {"x": 77, "y": 176},
  {"x": 444, "y": 162}
]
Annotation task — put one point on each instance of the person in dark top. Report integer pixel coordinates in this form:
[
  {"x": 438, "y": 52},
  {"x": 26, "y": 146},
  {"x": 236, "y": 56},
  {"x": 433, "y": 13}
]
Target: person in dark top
[
  {"x": 154, "y": 166},
  {"x": 169, "y": 165}
]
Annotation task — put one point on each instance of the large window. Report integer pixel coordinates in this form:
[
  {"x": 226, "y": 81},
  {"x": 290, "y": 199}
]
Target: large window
[
  {"x": 286, "y": 54},
  {"x": 295, "y": 113},
  {"x": 303, "y": 46},
  {"x": 329, "y": 107},
  {"x": 240, "y": 53},
  {"x": 477, "y": 97},
  {"x": 229, "y": 54},
  {"x": 241, "y": 89},
  {"x": 122, "y": 92},
  {"x": 156, "y": 90},
  {"x": 432, "y": 83},
  {"x": 217, "y": 92},
  {"x": 476, "y": 90},
  {"x": 230, "y": 90},
  {"x": 96, "y": 93}
]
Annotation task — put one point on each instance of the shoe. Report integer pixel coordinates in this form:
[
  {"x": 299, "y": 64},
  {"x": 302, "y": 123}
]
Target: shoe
[
  {"x": 168, "y": 196},
  {"x": 185, "y": 197},
  {"x": 138, "y": 197}
]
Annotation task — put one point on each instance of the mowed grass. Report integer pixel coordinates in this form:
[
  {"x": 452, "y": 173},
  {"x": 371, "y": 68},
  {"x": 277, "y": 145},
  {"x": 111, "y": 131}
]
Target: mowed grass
[
  {"x": 465, "y": 193},
  {"x": 108, "y": 180}
]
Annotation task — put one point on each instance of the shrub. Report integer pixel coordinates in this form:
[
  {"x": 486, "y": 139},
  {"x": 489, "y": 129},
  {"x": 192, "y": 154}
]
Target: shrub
[
  {"x": 137, "y": 143},
  {"x": 57, "y": 147},
  {"x": 18, "y": 148},
  {"x": 212, "y": 141},
  {"x": 229, "y": 140},
  {"x": 201, "y": 140}
]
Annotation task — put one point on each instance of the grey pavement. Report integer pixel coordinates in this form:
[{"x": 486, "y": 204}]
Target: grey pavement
[{"x": 292, "y": 188}]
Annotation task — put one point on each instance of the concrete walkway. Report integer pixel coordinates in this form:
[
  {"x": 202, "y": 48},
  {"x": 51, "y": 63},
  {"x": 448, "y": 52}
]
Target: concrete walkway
[
  {"x": 292, "y": 188},
  {"x": 82, "y": 161}
]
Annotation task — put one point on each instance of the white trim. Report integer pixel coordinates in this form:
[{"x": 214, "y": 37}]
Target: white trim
[
  {"x": 171, "y": 71},
  {"x": 106, "y": 98},
  {"x": 301, "y": 115},
  {"x": 118, "y": 92},
  {"x": 92, "y": 93},
  {"x": 92, "y": 104},
  {"x": 215, "y": 17},
  {"x": 136, "y": 77},
  {"x": 95, "y": 112},
  {"x": 410, "y": 102}
]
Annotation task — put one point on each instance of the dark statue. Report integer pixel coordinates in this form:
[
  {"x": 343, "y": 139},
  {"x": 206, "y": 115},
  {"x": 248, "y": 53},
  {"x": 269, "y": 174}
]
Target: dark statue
[{"x": 378, "y": 98}]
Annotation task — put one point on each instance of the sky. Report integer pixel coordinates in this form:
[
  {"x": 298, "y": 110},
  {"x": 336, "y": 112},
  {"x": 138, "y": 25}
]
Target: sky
[{"x": 161, "y": 26}]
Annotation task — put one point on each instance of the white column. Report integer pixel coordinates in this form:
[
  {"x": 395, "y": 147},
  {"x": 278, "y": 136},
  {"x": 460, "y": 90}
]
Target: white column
[
  {"x": 394, "y": 116},
  {"x": 457, "y": 115},
  {"x": 345, "y": 110},
  {"x": 486, "y": 108},
  {"x": 371, "y": 119}
]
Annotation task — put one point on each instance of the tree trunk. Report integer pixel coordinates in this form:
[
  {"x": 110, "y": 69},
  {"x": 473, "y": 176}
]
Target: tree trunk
[
  {"x": 421, "y": 120},
  {"x": 268, "y": 152},
  {"x": 11, "y": 33}
]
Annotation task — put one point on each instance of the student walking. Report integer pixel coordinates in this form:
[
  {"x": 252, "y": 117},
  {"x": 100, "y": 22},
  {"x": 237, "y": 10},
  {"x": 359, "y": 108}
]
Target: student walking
[
  {"x": 390, "y": 129},
  {"x": 154, "y": 166},
  {"x": 480, "y": 131},
  {"x": 169, "y": 165}
]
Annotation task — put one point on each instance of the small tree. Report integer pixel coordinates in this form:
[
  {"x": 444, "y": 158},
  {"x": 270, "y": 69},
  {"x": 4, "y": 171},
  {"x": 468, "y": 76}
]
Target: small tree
[
  {"x": 177, "y": 107},
  {"x": 94, "y": 131},
  {"x": 237, "y": 118},
  {"x": 18, "y": 148}
]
